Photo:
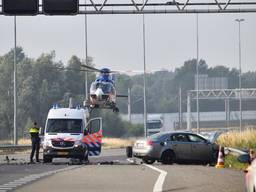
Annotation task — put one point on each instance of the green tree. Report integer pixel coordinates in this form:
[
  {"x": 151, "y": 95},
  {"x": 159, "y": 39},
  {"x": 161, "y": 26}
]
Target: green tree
[{"x": 6, "y": 91}]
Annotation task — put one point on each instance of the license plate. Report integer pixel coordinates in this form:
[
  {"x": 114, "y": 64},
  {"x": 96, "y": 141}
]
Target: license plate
[
  {"x": 62, "y": 153},
  {"x": 140, "y": 145}
]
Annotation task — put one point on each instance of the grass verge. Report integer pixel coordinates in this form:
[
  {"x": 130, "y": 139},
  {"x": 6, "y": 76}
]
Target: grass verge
[
  {"x": 232, "y": 162},
  {"x": 240, "y": 140},
  {"x": 236, "y": 139},
  {"x": 109, "y": 143}
]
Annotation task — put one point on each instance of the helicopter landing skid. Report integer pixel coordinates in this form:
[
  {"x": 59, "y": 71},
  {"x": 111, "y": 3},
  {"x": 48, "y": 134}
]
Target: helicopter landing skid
[
  {"x": 115, "y": 110},
  {"x": 106, "y": 105}
]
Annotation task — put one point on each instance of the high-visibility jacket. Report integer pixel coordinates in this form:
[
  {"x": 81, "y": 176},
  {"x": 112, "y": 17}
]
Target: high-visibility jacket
[{"x": 34, "y": 130}]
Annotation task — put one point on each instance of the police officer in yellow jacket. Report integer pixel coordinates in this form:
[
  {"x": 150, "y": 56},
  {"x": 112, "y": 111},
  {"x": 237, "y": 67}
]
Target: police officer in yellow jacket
[{"x": 35, "y": 139}]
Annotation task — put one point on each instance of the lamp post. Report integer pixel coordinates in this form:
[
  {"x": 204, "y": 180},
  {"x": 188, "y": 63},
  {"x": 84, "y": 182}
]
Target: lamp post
[
  {"x": 240, "y": 72},
  {"x": 197, "y": 76},
  {"x": 15, "y": 140},
  {"x": 130, "y": 104},
  {"x": 144, "y": 77},
  {"x": 86, "y": 54}
]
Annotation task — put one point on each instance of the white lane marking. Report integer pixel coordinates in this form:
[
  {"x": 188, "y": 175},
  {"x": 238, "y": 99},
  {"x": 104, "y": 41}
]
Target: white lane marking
[
  {"x": 160, "y": 181},
  {"x": 158, "y": 187},
  {"x": 131, "y": 160},
  {"x": 14, "y": 184}
]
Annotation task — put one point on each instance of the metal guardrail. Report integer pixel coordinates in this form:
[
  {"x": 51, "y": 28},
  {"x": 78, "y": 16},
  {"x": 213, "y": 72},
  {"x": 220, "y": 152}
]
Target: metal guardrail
[
  {"x": 235, "y": 152},
  {"x": 13, "y": 147},
  {"x": 227, "y": 150}
]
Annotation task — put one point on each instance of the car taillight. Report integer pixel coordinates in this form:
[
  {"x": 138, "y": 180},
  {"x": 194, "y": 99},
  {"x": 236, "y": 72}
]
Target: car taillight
[{"x": 149, "y": 142}]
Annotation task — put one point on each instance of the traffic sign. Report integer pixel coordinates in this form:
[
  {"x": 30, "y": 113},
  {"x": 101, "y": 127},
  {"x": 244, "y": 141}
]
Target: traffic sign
[
  {"x": 60, "y": 7},
  {"x": 20, "y": 7}
]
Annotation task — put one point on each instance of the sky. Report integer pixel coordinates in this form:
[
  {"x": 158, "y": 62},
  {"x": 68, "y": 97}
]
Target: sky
[{"x": 116, "y": 41}]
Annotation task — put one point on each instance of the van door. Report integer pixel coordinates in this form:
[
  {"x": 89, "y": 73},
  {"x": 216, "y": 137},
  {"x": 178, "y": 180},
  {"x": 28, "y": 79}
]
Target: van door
[{"x": 93, "y": 136}]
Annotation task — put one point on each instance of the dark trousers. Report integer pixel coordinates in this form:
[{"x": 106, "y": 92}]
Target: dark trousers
[{"x": 35, "y": 148}]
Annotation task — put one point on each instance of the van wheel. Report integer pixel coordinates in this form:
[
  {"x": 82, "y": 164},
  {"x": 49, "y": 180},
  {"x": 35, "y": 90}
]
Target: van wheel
[
  {"x": 168, "y": 157},
  {"x": 47, "y": 159},
  {"x": 148, "y": 161}
]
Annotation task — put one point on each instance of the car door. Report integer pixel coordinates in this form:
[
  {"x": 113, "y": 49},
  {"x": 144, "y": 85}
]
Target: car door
[
  {"x": 181, "y": 146},
  {"x": 201, "y": 148},
  {"x": 93, "y": 136}
]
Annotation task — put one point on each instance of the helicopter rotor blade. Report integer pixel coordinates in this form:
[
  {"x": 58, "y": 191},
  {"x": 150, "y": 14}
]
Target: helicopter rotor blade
[
  {"x": 90, "y": 68},
  {"x": 70, "y": 69},
  {"x": 121, "y": 95}
]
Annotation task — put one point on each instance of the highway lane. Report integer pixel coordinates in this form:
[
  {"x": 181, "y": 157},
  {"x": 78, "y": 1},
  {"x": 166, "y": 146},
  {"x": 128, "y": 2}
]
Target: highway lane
[
  {"x": 112, "y": 172},
  {"x": 184, "y": 178},
  {"x": 198, "y": 178},
  {"x": 93, "y": 178},
  {"x": 19, "y": 167}
]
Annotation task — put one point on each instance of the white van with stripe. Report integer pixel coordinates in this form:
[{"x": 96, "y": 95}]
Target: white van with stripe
[{"x": 69, "y": 134}]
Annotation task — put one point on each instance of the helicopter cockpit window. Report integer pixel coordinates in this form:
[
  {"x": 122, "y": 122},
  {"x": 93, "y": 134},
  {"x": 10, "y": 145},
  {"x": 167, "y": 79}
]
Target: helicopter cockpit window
[
  {"x": 93, "y": 86},
  {"x": 106, "y": 87}
]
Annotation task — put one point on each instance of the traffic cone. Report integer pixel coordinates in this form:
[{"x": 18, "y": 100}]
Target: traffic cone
[{"x": 220, "y": 162}]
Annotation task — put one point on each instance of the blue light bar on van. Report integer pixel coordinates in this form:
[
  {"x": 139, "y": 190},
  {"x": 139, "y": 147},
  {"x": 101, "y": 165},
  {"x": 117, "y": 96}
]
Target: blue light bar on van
[
  {"x": 55, "y": 106},
  {"x": 78, "y": 107}
]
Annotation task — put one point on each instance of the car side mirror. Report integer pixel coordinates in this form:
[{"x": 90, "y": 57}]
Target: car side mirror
[
  {"x": 163, "y": 143},
  {"x": 86, "y": 132}
]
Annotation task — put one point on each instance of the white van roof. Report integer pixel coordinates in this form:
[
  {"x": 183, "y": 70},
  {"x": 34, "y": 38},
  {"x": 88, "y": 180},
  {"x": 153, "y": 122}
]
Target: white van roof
[
  {"x": 155, "y": 116},
  {"x": 67, "y": 113}
]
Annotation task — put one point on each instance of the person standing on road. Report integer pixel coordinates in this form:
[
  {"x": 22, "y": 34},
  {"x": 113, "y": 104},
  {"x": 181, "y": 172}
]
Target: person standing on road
[{"x": 35, "y": 139}]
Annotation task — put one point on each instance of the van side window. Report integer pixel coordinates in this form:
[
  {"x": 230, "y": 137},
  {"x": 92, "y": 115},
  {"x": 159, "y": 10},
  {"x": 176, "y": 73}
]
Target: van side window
[{"x": 94, "y": 126}]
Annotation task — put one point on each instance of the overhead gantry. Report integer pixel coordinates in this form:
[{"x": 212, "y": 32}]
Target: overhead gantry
[{"x": 161, "y": 6}]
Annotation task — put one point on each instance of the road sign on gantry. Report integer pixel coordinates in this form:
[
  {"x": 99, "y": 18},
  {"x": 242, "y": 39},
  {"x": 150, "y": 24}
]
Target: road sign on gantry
[
  {"x": 20, "y": 7},
  {"x": 60, "y": 7}
]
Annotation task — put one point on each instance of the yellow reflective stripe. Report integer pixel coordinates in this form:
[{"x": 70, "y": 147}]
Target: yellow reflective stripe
[{"x": 34, "y": 130}]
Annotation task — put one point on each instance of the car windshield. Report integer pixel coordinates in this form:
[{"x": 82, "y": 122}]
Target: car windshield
[
  {"x": 157, "y": 136},
  {"x": 64, "y": 126}
]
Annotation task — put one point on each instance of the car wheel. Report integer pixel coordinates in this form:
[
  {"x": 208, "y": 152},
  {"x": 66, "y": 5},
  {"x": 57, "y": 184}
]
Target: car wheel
[
  {"x": 129, "y": 151},
  {"x": 148, "y": 161},
  {"x": 168, "y": 157},
  {"x": 47, "y": 159}
]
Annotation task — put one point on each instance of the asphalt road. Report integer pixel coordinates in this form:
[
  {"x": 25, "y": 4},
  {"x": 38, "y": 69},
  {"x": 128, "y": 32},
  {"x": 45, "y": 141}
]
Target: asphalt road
[{"x": 112, "y": 172}]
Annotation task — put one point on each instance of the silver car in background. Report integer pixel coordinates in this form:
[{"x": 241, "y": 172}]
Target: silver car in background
[{"x": 169, "y": 147}]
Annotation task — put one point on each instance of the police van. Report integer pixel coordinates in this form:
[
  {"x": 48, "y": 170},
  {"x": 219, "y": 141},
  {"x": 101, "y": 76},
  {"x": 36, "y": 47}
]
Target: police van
[{"x": 69, "y": 133}]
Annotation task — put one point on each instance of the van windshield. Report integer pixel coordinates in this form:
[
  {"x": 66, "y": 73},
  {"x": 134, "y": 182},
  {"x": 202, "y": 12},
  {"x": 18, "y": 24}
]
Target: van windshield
[
  {"x": 156, "y": 124},
  {"x": 64, "y": 126}
]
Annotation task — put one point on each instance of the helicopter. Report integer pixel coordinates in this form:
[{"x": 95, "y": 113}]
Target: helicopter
[{"x": 102, "y": 90}]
